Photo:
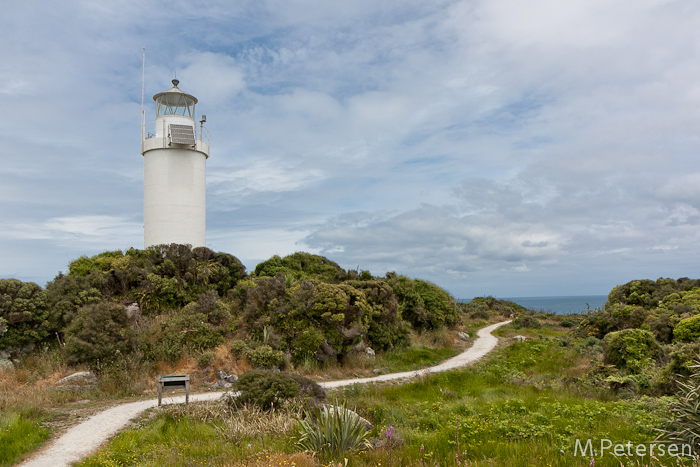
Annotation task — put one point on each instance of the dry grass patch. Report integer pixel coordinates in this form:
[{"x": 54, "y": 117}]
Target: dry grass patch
[{"x": 235, "y": 424}]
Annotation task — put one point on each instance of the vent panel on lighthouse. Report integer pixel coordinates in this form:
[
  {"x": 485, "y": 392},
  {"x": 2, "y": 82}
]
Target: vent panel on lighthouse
[{"x": 182, "y": 134}]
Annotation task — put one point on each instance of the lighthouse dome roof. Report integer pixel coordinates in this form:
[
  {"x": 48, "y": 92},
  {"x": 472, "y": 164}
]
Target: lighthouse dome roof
[{"x": 175, "y": 93}]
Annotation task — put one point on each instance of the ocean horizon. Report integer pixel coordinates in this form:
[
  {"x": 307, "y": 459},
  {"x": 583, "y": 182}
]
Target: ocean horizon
[{"x": 561, "y": 305}]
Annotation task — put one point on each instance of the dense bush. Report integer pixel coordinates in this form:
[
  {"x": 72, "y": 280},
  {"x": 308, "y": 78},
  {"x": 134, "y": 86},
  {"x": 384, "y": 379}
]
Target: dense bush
[
  {"x": 307, "y": 344},
  {"x": 387, "y": 328},
  {"x": 478, "y": 307},
  {"x": 99, "y": 335},
  {"x": 160, "y": 278},
  {"x": 661, "y": 323},
  {"x": 185, "y": 332},
  {"x": 649, "y": 294},
  {"x": 302, "y": 306},
  {"x": 317, "y": 319},
  {"x": 265, "y": 356},
  {"x": 424, "y": 305},
  {"x": 66, "y": 294},
  {"x": 238, "y": 348},
  {"x": 267, "y": 389},
  {"x": 23, "y": 313},
  {"x": 613, "y": 318},
  {"x": 631, "y": 349},
  {"x": 681, "y": 358},
  {"x": 300, "y": 266},
  {"x": 688, "y": 329},
  {"x": 526, "y": 321}
]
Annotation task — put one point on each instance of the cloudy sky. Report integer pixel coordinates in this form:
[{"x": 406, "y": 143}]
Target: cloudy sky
[{"x": 494, "y": 147}]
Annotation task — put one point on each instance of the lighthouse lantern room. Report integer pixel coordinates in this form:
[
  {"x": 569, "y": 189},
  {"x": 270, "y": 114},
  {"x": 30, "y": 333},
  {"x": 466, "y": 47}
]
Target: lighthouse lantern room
[{"x": 174, "y": 172}]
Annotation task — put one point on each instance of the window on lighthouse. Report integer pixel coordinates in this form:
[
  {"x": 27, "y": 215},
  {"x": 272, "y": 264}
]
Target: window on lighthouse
[{"x": 174, "y": 104}]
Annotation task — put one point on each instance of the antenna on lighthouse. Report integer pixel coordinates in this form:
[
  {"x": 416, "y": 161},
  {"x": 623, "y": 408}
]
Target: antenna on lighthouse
[{"x": 143, "y": 84}]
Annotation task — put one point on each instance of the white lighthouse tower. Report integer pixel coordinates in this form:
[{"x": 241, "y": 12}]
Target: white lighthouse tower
[{"x": 174, "y": 172}]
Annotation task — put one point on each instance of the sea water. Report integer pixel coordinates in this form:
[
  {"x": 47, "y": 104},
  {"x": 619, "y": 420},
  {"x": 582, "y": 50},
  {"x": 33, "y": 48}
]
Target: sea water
[{"x": 562, "y": 305}]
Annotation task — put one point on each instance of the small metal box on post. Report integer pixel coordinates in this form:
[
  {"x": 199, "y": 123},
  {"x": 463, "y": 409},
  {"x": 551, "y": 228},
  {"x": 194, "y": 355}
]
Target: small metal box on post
[{"x": 174, "y": 382}]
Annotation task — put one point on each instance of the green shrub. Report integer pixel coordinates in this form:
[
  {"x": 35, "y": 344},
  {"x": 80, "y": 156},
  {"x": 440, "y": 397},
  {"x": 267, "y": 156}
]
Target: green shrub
[
  {"x": 634, "y": 383},
  {"x": 208, "y": 304},
  {"x": 238, "y": 348},
  {"x": 307, "y": 344},
  {"x": 300, "y": 266},
  {"x": 661, "y": 323},
  {"x": 526, "y": 321},
  {"x": 160, "y": 277},
  {"x": 613, "y": 318},
  {"x": 160, "y": 294},
  {"x": 681, "y": 358},
  {"x": 688, "y": 330},
  {"x": 567, "y": 323},
  {"x": 649, "y": 294},
  {"x": 631, "y": 349},
  {"x": 333, "y": 431},
  {"x": 100, "y": 335},
  {"x": 484, "y": 304},
  {"x": 185, "y": 332},
  {"x": 424, "y": 305},
  {"x": 389, "y": 335},
  {"x": 590, "y": 345},
  {"x": 67, "y": 293},
  {"x": 441, "y": 307},
  {"x": 266, "y": 389},
  {"x": 386, "y": 329},
  {"x": 479, "y": 314},
  {"x": 24, "y": 313},
  {"x": 266, "y": 357},
  {"x": 342, "y": 313},
  {"x": 205, "y": 359}
]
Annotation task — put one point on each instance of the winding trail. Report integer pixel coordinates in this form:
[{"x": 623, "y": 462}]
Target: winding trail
[{"x": 81, "y": 440}]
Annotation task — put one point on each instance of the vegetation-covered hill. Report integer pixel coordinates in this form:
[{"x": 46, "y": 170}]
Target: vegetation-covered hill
[
  {"x": 131, "y": 315},
  {"x": 649, "y": 330},
  {"x": 169, "y": 300}
]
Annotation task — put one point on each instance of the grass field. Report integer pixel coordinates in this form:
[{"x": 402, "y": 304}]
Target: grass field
[
  {"x": 19, "y": 433},
  {"x": 524, "y": 405}
]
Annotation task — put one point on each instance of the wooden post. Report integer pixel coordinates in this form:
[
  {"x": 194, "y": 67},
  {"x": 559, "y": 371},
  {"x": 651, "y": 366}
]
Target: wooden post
[{"x": 160, "y": 389}]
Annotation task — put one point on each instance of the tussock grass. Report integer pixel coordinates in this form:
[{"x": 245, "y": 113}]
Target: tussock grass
[
  {"x": 245, "y": 422},
  {"x": 29, "y": 387}
]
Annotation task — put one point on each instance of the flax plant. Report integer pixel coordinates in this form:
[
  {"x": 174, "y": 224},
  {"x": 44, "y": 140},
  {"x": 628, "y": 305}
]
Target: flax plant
[
  {"x": 685, "y": 425},
  {"x": 333, "y": 431}
]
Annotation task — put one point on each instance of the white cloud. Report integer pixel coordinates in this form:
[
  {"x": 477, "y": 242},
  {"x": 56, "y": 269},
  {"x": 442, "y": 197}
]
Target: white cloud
[
  {"x": 478, "y": 142},
  {"x": 107, "y": 230}
]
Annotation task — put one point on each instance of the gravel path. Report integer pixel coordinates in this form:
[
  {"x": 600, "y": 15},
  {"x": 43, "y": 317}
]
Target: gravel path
[{"x": 81, "y": 440}]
